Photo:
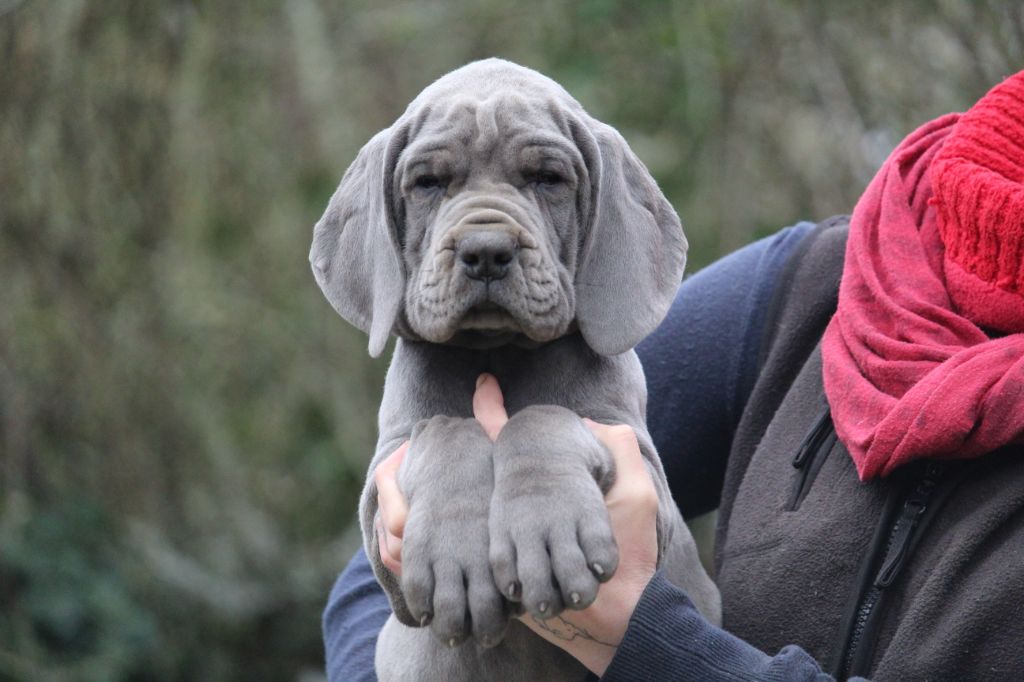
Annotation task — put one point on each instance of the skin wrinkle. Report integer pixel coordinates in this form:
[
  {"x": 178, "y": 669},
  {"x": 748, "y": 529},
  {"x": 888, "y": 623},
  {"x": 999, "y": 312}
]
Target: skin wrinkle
[
  {"x": 487, "y": 135},
  {"x": 490, "y": 191}
]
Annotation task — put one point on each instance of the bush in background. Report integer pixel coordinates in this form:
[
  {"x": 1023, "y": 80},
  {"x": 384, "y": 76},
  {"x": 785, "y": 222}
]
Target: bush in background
[{"x": 184, "y": 421}]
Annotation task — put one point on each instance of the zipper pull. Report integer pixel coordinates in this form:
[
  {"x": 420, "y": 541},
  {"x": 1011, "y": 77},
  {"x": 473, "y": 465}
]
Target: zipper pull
[
  {"x": 894, "y": 559},
  {"x": 913, "y": 510},
  {"x": 813, "y": 439}
]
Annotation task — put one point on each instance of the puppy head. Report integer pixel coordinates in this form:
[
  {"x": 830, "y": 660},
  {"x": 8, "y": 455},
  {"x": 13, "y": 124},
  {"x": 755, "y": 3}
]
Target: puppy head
[{"x": 495, "y": 210}]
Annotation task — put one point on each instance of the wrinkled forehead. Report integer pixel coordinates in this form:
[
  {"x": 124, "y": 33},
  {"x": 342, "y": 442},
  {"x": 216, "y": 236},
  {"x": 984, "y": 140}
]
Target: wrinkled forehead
[
  {"x": 486, "y": 106},
  {"x": 483, "y": 126}
]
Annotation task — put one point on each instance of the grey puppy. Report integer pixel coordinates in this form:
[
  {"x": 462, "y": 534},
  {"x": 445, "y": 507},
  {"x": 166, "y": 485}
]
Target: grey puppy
[{"x": 497, "y": 227}]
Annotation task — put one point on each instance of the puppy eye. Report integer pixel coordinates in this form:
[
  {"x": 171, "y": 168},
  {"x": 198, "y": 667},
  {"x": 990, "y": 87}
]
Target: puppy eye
[
  {"x": 428, "y": 182},
  {"x": 546, "y": 178}
]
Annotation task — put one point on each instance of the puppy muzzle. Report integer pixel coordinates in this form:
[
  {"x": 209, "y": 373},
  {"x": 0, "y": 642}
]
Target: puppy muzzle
[{"x": 487, "y": 274}]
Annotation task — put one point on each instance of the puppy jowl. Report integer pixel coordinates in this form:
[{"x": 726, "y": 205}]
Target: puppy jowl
[{"x": 497, "y": 228}]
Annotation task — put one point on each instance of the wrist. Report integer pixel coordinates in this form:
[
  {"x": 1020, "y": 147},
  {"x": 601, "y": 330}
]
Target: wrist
[
  {"x": 592, "y": 635},
  {"x": 616, "y": 601}
]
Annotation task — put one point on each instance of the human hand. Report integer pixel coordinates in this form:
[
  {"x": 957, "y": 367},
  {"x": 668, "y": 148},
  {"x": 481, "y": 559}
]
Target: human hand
[
  {"x": 489, "y": 410},
  {"x": 590, "y": 635},
  {"x": 593, "y": 634},
  {"x": 393, "y": 509}
]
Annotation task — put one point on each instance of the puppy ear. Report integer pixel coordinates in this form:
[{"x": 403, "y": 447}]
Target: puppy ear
[
  {"x": 356, "y": 256},
  {"x": 633, "y": 253}
]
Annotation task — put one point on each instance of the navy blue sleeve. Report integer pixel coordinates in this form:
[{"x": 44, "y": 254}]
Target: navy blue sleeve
[
  {"x": 668, "y": 639},
  {"x": 356, "y": 611},
  {"x": 701, "y": 364}
]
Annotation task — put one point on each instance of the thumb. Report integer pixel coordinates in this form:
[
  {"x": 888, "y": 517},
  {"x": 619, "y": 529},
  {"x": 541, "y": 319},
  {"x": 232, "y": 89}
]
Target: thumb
[{"x": 489, "y": 405}]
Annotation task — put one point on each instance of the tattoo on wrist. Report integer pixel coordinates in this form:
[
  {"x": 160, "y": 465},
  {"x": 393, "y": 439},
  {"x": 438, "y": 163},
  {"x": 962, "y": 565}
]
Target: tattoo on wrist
[{"x": 567, "y": 631}]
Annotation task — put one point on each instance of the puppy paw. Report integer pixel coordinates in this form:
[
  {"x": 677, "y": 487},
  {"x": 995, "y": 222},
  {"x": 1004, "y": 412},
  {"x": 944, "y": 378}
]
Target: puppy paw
[
  {"x": 446, "y": 578},
  {"x": 551, "y": 539}
]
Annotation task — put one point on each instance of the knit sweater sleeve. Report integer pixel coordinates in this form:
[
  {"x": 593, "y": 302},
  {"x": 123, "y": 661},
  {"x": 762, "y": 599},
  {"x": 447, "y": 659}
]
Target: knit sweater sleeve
[
  {"x": 700, "y": 364},
  {"x": 668, "y": 639}
]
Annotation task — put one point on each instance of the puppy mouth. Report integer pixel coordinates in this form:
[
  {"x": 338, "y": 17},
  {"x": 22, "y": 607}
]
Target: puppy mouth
[{"x": 488, "y": 317}]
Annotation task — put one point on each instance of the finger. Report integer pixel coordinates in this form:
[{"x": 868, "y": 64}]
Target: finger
[
  {"x": 392, "y": 503},
  {"x": 489, "y": 405},
  {"x": 631, "y": 474},
  {"x": 394, "y": 545},
  {"x": 390, "y": 550}
]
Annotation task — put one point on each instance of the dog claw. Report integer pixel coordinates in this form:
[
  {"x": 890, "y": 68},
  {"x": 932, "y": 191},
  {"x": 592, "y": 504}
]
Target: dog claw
[
  {"x": 542, "y": 607},
  {"x": 513, "y": 590},
  {"x": 575, "y": 597},
  {"x": 424, "y": 619},
  {"x": 598, "y": 570},
  {"x": 452, "y": 643}
]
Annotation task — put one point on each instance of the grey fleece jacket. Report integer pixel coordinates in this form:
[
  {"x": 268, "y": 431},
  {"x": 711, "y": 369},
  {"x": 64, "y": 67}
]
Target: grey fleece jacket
[{"x": 919, "y": 576}]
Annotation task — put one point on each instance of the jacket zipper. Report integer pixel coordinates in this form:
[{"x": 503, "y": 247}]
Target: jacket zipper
[
  {"x": 896, "y": 553},
  {"x": 819, "y": 440}
]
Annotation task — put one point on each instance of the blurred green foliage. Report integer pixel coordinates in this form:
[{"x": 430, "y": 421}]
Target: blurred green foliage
[{"x": 184, "y": 421}]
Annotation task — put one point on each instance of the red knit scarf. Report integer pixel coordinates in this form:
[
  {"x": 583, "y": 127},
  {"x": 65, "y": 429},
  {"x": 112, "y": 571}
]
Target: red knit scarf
[{"x": 907, "y": 375}]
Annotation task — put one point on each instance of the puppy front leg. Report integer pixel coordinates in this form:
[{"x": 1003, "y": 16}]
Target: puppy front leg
[
  {"x": 551, "y": 539},
  {"x": 447, "y": 477}
]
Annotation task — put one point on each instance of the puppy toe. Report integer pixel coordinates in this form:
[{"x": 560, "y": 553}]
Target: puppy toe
[
  {"x": 540, "y": 595},
  {"x": 503, "y": 567},
  {"x": 450, "y": 609},
  {"x": 488, "y": 615},
  {"x": 418, "y": 590},
  {"x": 598, "y": 545},
  {"x": 575, "y": 578}
]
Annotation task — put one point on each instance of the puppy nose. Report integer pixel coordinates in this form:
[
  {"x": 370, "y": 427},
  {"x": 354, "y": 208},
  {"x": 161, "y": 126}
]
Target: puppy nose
[{"x": 486, "y": 254}]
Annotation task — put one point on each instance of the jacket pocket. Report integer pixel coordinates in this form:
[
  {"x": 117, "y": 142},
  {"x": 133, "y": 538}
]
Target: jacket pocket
[{"x": 810, "y": 457}]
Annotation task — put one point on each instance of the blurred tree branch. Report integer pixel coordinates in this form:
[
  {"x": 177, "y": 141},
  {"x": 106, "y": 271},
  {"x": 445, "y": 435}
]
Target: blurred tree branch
[{"x": 185, "y": 421}]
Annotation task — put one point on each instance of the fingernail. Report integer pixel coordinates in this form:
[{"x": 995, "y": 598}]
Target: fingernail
[
  {"x": 542, "y": 607},
  {"x": 480, "y": 380},
  {"x": 513, "y": 589},
  {"x": 598, "y": 571},
  {"x": 575, "y": 597}
]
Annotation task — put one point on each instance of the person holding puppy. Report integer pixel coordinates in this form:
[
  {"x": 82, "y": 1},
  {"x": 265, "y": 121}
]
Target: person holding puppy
[{"x": 851, "y": 397}]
